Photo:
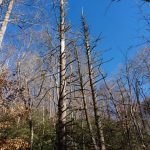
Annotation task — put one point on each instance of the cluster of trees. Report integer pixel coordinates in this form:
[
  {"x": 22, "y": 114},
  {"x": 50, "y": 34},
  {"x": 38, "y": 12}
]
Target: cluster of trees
[{"x": 56, "y": 95}]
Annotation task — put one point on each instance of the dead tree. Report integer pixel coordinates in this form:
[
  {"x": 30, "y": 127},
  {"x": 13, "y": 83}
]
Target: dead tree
[
  {"x": 5, "y": 21},
  {"x": 98, "y": 123},
  {"x": 61, "y": 131},
  {"x": 1, "y": 1},
  {"x": 84, "y": 101}
]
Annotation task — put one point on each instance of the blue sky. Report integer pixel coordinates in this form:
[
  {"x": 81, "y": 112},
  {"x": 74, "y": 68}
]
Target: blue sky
[{"x": 121, "y": 25}]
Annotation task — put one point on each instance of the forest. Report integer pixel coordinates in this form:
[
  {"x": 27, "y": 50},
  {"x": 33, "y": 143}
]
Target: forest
[{"x": 56, "y": 95}]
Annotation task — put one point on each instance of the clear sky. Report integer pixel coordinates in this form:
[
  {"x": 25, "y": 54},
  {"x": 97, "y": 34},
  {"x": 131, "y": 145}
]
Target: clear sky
[{"x": 122, "y": 26}]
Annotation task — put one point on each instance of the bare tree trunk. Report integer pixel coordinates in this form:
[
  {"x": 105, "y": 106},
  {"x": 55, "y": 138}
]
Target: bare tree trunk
[
  {"x": 61, "y": 133},
  {"x": 1, "y": 1},
  {"x": 136, "y": 124},
  {"x": 5, "y": 22},
  {"x": 139, "y": 132},
  {"x": 98, "y": 123},
  {"x": 85, "y": 103},
  {"x": 137, "y": 93},
  {"x": 111, "y": 95},
  {"x": 125, "y": 119},
  {"x": 43, "y": 121},
  {"x": 30, "y": 119},
  {"x": 31, "y": 131},
  {"x": 83, "y": 135}
]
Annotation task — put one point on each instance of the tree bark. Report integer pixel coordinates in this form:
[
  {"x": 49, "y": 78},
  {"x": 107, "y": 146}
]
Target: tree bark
[
  {"x": 5, "y": 21},
  {"x": 1, "y": 1},
  {"x": 61, "y": 133},
  {"x": 85, "y": 103},
  {"x": 98, "y": 123}
]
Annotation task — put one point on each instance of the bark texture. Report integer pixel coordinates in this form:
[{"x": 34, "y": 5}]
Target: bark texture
[
  {"x": 98, "y": 123},
  {"x": 5, "y": 21},
  {"x": 61, "y": 133}
]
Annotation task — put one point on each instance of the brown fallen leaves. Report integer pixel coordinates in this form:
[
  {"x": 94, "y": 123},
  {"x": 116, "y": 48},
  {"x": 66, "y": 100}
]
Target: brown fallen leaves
[{"x": 13, "y": 144}]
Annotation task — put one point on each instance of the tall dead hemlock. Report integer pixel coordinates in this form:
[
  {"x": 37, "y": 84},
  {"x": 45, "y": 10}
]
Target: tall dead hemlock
[
  {"x": 98, "y": 123},
  {"x": 84, "y": 102},
  {"x": 5, "y": 21},
  {"x": 61, "y": 130}
]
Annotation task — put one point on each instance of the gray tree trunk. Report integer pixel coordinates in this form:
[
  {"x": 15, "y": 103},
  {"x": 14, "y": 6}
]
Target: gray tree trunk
[
  {"x": 61, "y": 132},
  {"x": 1, "y": 1},
  {"x": 5, "y": 21},
  {"x": 98, "y": 123},
  {"x": 85, "y": 103}
]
